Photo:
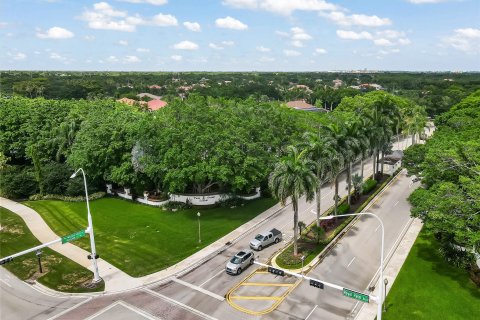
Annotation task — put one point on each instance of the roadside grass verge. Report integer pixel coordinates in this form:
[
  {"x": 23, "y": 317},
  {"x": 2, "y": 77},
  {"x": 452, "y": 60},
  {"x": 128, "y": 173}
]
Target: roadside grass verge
[
  {"x": 429, "y": 288},
  {"x": 140, "y": 239},
  {"x": 59, "y": 272}
]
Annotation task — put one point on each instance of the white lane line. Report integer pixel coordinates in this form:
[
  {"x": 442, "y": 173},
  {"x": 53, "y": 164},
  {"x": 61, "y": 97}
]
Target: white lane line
[
  {"x": 377, "y": 228},
  {"x": 197, "y": 288},
  {"x": 4, "y": 281},
  {"x": 70, "y": 309},
  {"x": 216, "y": 274},
  {"x": 351, "y": 262},
  {"x": 123, "y": 304},
  {"x": 395, "y": 203},
  {"x": 311, "y": 312},
  {"x": 178, "y": 303}
]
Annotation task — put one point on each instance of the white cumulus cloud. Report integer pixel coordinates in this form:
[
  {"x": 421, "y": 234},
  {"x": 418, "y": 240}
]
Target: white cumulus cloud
[
  {"x": 342, "y": 19},
  {"x": 17, "y": 56},
  {"x": 143, "y": 50},
  {"x": 263, "y": 49},
  {"x": 176, "y": 57},
  {"x": 466, "y": 40},
  {"x": 164, "y": 20},
  {"x": 123, "y": 42},
  {"x": 55, "y": 33},
  {"x": 282, "y": 7},
  {"x": 320, "y": 51},
  {"x": 230, "y": 23},
  {"x": 192, "y": 26},
  {"x": 131, "y": 59},
  {"x": 215, "y": 47},
  {"x": 153, "y": 2},
  {"x": 352, "y": 35},
  {"x": 186, "y": 45},
  {"x": 425, "y": 1}
]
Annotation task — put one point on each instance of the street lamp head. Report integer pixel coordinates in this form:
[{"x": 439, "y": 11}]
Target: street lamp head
[
  {"x": 327, "y": 217},
  {"x": 73, "y": 175},
  {"x": 385, "y": 281},
  {"x": 198, "y": 214}
]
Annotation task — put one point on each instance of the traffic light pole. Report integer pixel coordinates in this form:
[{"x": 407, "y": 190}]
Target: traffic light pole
[{"x": 328, "y": 284}]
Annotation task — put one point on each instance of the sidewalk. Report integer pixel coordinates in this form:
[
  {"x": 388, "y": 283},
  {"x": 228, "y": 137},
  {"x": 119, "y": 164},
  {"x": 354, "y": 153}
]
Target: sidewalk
[
  {"x": 115, "y": 279},
  {"x": 368, "y": 311}
]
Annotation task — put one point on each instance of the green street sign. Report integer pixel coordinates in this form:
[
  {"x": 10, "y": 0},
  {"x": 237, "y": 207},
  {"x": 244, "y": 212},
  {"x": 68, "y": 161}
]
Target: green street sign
[
  {"x": 73, "y": 236},
  {"x": 356, "y": 295}
]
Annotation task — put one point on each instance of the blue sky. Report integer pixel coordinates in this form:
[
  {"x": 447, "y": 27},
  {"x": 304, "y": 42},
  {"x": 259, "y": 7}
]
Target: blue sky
[{"x": 240, "y": 35}]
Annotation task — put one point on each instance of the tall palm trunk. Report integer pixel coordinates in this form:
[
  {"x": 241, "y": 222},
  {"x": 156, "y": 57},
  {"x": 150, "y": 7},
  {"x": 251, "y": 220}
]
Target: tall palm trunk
[
  {"x": 362, "y": 165},
  {"x": 374, "y": 156},
  {"x": 295, "y": 226},
  {"x": 349, "y": 178},
  {"x": 383, "y": 161},
  {"x": 378, "y": 163},
  {"x": 319, "y": 202},
  {"x": 336, "y": 193}
]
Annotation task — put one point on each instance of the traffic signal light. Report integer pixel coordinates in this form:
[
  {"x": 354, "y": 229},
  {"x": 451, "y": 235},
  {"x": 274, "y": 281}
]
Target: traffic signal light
[
  {"x": 276, "y": 271},
  {"x": 316, "y": 284},
  {"x": 3, "y": 261}
]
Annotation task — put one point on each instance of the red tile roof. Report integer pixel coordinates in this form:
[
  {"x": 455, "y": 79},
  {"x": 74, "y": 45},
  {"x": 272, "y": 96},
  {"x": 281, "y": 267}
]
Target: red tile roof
[
  {"x": 156, "y": 104},
  {"x": 299, "y": 104}
]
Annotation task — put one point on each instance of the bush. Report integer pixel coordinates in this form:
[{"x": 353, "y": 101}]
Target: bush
[
  {"x": 368, "y": 186},
  {"x": 93, "y": 196},
  {"x": 343, "y": 208},
  {"x": 56, "y": 177},
  {"x": 17, "y": 182},
  {"x": 177, "y": 205},
  {"x": 231, "y": 202}
]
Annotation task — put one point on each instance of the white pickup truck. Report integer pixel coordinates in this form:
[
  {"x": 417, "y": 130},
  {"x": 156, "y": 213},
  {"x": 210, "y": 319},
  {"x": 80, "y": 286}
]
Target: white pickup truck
[{"x": 266, "y": 238}]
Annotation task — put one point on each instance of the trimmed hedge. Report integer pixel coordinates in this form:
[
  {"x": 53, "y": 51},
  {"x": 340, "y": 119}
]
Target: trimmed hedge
[
  {"x": 93, "y": 196},
  {"x": 368, "y": 185}
]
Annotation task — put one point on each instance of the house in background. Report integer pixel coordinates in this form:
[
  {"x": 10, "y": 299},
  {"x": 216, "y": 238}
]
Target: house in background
[
  {"x": 393, "y": 161},
  {"x": 302, "y": 105},
  {"x": 156, "y": 104}
]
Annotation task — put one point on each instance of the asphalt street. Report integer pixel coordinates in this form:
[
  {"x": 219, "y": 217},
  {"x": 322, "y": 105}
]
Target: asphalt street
[{"x": 200, "y": 294}]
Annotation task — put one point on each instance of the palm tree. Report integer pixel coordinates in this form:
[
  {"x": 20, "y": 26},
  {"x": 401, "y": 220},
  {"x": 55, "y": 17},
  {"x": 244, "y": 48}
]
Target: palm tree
[
  {"x": 321, "y": 151},
  {"x": 293, "y": 178}
]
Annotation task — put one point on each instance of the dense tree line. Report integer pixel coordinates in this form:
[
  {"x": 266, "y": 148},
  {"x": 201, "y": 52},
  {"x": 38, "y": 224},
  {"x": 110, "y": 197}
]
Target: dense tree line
[
  {"x": 436, "y": 91},
  {"x": 448, "y": 164}
]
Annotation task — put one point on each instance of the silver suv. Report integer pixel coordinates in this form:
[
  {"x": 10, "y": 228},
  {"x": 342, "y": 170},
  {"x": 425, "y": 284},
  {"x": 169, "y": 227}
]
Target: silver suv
[{"x": 240, "y": 262}]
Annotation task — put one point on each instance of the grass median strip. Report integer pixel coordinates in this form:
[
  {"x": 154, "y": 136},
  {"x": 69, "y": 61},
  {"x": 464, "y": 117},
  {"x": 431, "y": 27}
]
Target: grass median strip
[
  {"x": 59, "y": 272},
  {"x": 140, "y": 239}
]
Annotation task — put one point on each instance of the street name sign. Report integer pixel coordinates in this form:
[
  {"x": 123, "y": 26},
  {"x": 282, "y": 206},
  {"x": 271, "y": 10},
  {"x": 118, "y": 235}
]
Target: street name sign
[
  {"x": 356, "y": 295},
  {"x": 73, "y": 236}
]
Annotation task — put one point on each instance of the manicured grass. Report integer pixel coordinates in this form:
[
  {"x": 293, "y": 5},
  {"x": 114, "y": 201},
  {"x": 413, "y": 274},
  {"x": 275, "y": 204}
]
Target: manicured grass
[
  {"x": 59, "y": 273},
  {"x": 429, "y": 288},
  {"x": 139, "y": 239}
]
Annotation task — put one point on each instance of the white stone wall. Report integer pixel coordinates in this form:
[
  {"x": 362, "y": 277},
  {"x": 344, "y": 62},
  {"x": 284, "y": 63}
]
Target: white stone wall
[{"x": 145, "y": 200}]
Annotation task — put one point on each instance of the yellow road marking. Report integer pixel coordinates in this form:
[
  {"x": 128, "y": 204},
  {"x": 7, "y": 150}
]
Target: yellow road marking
[
  {"x": 264, "y": 284},
  {"x": 255, "y": 298}
]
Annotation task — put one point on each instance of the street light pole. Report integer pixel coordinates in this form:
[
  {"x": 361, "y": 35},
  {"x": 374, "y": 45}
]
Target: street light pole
[
  {"x": 303, "y": 258},
  {"x": 385, "y": 281},
  {"x": 199, "y": 238},
  {"x": 96, "y": 276},
  {"x": 380, "y": 287}
]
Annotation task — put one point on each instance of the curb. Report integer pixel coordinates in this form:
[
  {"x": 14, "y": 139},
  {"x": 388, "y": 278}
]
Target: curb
[{"x": 318, "y": 259}]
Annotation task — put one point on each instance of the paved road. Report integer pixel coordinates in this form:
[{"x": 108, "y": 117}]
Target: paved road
[
  {"x": 200, "y": 293},
  {"x": 20, "y": 301}
]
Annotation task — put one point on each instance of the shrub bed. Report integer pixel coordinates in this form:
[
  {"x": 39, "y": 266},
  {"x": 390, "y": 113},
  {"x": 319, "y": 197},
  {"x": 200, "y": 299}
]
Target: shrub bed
[{"x": 93, "y": 196}]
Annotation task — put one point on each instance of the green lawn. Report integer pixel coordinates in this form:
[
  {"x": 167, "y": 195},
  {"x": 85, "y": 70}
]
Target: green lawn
[
  {"x": 59, "y": 273},
  {"x": 140, "y": 239},
  {"x": 428, "y": 288}
]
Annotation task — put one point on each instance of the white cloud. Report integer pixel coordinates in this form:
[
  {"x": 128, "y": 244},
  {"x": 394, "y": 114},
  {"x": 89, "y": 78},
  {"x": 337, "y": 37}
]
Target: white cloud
[
  {"x": 228, "y": 43},
  {"x": 320, "y": 51},
  {"x": 143, "y": 50},
  {"x": 164, "y": 20},
  {"x": 153, "y": 2},
  {"x": 356, "y": 19},
  {"x": 176, "y": 57},
  {"x": 404, "y": 41},
  {"x": 192, "y": 26},
  {"x": 185, "y": 45},
  {"x": 123, "y": 42},
  {"x": 466, "y": 40},
  {"x": 282, "y": 34},
  {"x": 112, "y": 59},
  {"x": 352, "y": 35},
  {"x": 55, "y": 33},
  {"x": 230, "y": 23},
  {"x": 291, "y": 53},
  {"x": 57, "y": 57},
  {"x": 3, "y": 24},
  {"x": 385, "y": 52},
  {"x": 297, "y": 43},
  {"x": 383, "y": 42},
  {"x": 131, "y": 59},
  {"x": 89, "y": 38},
  {"x": 296, "y": 35},
  {"x": 17, "y": 56},
  {"x": 282, "y": 7},
  {"x": 263, "y": 49},
  {"x": 215, "y": 47}
]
